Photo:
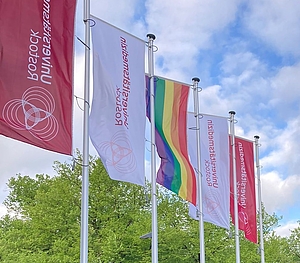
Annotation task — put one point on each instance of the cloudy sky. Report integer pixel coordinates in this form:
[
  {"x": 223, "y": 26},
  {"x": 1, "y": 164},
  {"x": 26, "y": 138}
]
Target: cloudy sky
[{"x": 247, "y": 55}]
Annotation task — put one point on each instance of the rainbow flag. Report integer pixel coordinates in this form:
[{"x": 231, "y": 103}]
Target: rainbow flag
[{"x": 176, "y": 172}]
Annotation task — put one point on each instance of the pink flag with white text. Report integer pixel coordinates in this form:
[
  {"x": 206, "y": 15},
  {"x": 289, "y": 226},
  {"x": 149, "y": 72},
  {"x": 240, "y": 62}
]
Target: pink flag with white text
[
  {"x": 245, "y": 188},
  {"x": 36, "y": 72}
]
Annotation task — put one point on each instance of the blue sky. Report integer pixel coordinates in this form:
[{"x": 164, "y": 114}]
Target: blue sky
[{"x": 247, "y": 55}]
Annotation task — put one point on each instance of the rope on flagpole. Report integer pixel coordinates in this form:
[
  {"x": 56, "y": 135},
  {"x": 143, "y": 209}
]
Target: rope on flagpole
[
  {"x": 78, "y": 98},
  {"x": 90, "y": 20},
  {"x": 91, "y": 25}
]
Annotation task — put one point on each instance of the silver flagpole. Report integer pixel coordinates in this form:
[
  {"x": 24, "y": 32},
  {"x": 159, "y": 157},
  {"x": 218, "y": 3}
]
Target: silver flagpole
[
  {"x": 199, "y": 186},
  {"x": 154, "y": 246},
  {"x": 85, "y": 161},
  {"x": 236, "y": 217},
  {"x": 261, "y": 243}
]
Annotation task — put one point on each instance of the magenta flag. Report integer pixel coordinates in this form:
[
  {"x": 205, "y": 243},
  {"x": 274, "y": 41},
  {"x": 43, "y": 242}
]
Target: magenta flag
[
  {"x": 245, "y": 188},
  {"x": 36, "y": 72}
]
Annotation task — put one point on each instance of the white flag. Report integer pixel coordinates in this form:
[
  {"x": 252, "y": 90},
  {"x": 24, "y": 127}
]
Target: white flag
[
  {"x": 214, "y": 160},
  {"x": 118, "y": 114}
]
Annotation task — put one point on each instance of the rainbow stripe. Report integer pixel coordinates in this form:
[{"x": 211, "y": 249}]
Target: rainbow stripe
[{"x": 175, "y": 172}]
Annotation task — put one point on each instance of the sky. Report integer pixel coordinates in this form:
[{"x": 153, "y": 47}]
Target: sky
[{"x": 247, "y": 55}]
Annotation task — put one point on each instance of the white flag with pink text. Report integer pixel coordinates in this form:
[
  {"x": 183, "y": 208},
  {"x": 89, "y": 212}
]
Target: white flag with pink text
[
  {"x": 118, "y": 114},
  {"x": 214, "y": 166}
]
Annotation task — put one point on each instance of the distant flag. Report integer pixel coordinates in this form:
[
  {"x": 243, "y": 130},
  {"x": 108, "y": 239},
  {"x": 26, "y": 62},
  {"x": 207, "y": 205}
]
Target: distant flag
[
  {"x": 36, "y": 72},
  {"x": 245, "y": 177},
  {"x": 175, "y": 171},
  {"x": 118, "y": 117},
  {"x": 214, "y": 160}
]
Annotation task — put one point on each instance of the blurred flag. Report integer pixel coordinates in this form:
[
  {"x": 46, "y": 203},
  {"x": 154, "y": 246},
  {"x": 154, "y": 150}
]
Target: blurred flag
[
  {"x": 245, "y": 179},
  {"x": 175, "y": 171},
  {"x": 214, "y": 160},
  {"x": 36, "y": 76},
  {"x": 117, "y": 119}
]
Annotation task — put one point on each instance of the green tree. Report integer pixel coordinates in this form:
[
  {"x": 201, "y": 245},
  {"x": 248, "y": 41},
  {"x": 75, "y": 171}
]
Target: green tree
[
  {"x": 294, "y": 242},
  {"x": 43, "y": 224}
]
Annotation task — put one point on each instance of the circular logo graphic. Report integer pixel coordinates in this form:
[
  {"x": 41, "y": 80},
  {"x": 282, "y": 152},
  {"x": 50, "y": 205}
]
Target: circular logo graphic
[
  {"x": 211, "y": 205},
  {"x": 33, "y": 112},
  {"x": 119, "y": 153}
]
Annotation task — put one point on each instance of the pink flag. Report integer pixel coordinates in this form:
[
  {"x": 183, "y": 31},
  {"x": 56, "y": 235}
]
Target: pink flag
[
  {"x": 245, "y": 188},
  {"x": 36, "y": 59}
]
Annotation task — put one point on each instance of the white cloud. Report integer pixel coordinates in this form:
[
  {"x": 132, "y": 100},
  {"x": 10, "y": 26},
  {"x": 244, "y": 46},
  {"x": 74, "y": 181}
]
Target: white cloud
[
  {"x": 121, "y": 14},
  {"x": 286, "y": 90},
  {"x": 278, "y": 193},
  {"x": 245, "y": 80},
  {"x": 276, "y": 22},
  {"x": 211, "y": 101},
  {"x": 184, "y": 27},
  {"x": 285, "y": 230},
  {"x": 285, "y": 152}
]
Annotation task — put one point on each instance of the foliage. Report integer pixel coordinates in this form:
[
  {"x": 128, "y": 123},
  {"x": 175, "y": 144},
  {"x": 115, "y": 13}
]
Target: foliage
[
  {"x": 43, "y": 224},
  {"x": 294, "y": 242}
]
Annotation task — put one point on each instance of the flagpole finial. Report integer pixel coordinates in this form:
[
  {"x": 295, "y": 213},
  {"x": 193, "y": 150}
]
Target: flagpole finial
[
  {"x": 232, "y": 112},
  {"x": 256, "y": 137},
  {"x": 196, "y": 79},
  {"x": 151, "y": 36}
]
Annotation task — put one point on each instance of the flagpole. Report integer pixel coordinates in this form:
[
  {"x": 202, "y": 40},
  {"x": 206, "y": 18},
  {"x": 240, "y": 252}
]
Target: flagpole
[
  {"x": 236, "y": 216},
  {"x": 85, "y": 158},
  {"x": 261, "y": 243},
  {"x": 199, "y": 194},
  {"x": 154, "y": 246}
]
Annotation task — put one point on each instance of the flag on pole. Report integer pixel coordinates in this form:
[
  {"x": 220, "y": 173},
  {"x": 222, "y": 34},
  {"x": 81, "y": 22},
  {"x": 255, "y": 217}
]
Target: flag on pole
[
  {"x": 36, "y": 76},
  {"x": 117, "y": 119},
  {"x": 175, "y": 172},
  {"x": 245, "y": 179},
  {"x": 214, "y": 160}
]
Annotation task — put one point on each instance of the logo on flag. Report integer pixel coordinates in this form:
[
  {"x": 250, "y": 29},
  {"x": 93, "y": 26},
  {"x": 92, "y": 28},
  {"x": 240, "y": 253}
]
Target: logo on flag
[
  {"x": 33, "y": 112},
  {"x": 119, "y": 153},
  {"x": 210, "y": 205}
]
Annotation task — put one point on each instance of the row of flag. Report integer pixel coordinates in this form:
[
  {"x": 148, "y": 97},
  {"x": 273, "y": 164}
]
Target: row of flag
[{"x": 37, "y": 98}]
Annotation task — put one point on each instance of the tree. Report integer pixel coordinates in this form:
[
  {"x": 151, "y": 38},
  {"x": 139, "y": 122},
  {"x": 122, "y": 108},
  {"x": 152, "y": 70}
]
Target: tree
[
  {"x": 44, "y": 223},
  {"x": 294, "y": 241}
]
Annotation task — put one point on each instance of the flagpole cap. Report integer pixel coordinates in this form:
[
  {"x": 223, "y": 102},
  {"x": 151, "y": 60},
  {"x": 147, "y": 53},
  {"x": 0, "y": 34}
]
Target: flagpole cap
[
  {"x": 256, "y": 137},
  {"x": 232, "y": 112},
  {"x": 151, "y": 36},
  {"x": 196, "y": 79}
]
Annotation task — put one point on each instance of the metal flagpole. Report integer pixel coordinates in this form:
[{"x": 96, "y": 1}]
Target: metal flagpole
[
  {"x": 154, "y": 246},
  {"x": 199, "y": 186},
  {"x": 85, "y": 161},
  {"x": 236, "y": 217},
  {"x": 261, "y": 243}
]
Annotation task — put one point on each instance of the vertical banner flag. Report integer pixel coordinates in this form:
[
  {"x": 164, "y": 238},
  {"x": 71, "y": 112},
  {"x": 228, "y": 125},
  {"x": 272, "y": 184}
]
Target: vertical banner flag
[
  {"x": 245, "y": 179},
  {"x": 175, "y": 172},
  {"x": 36, "y": 72},
  {"x": 214, "y": 160},
  {"x": 118, "y": 117}
]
